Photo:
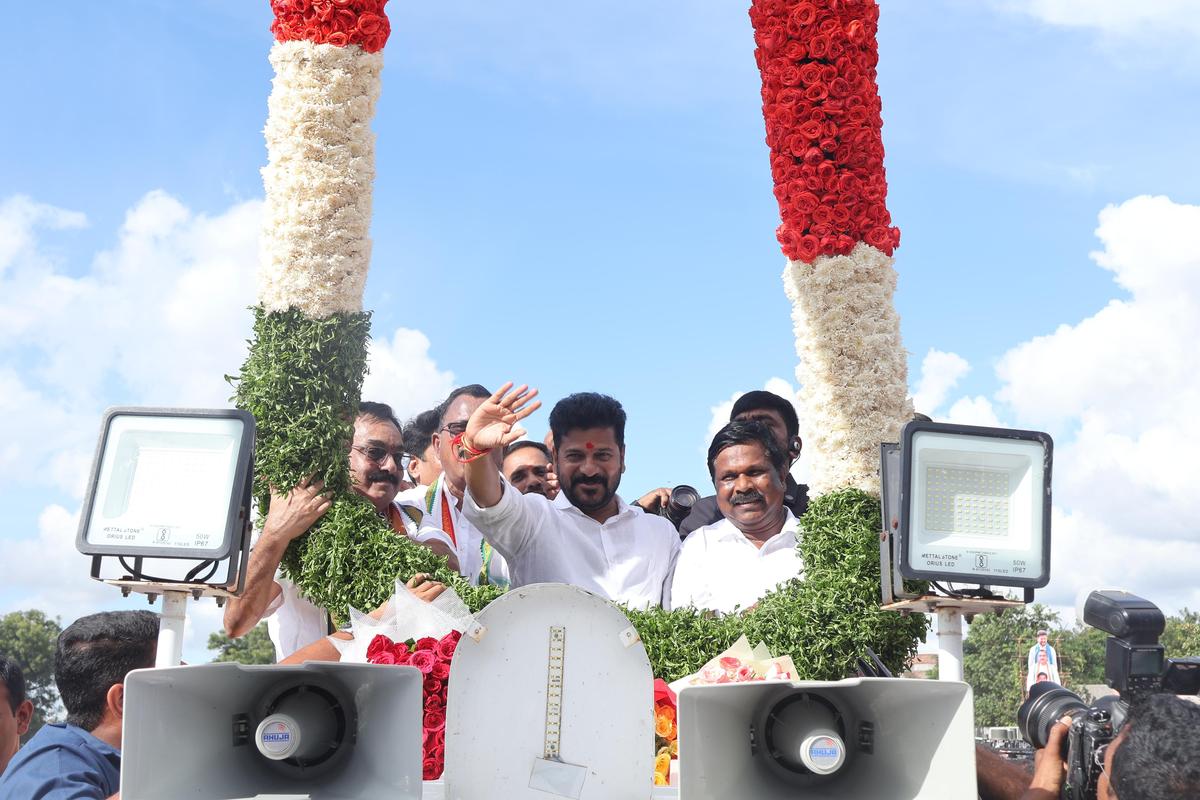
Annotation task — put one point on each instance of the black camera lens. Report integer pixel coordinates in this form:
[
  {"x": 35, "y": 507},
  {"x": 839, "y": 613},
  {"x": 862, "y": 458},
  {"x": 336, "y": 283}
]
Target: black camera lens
[
  {"x": 683, "y": 497},
  {"x": 1047, "y": 704}
]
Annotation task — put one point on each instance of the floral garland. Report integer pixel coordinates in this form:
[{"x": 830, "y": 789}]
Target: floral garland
[
  {"x": 822, "y": 113},
  {"x": 303, "y": 376}
]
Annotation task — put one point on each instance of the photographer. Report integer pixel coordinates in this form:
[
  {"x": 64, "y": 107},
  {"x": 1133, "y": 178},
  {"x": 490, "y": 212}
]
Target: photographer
[{"x": 1155, "y": 757}]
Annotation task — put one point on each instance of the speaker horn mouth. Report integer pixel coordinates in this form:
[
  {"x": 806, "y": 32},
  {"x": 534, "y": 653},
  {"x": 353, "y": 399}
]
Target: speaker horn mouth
[
  {"x": 805, "y": 734},
  {"x": 304, "y": 726}
]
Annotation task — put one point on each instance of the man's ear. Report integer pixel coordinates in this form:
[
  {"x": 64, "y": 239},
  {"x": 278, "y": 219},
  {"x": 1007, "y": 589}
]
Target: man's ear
[
  {"x": 24, "y": 716},
  {"x": 794, "y": 447},
  {"x": 115, "y": 700}
]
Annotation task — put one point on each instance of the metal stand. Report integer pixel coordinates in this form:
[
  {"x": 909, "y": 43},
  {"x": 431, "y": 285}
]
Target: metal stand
[
  {"x": 950, "y": 612},
  {"x": 170, "y": 629},
  {"x": 174, "y": 612}
]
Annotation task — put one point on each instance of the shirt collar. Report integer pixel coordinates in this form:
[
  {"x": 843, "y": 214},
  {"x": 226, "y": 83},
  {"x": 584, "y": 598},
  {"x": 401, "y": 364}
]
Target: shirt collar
[{"x": 728, "y": 532}]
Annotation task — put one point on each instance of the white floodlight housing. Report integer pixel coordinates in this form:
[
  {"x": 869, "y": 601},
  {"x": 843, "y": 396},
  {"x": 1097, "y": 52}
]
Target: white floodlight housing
[
  {"x": 169, "y": 483},
  {"x": 975, "y": 504}
]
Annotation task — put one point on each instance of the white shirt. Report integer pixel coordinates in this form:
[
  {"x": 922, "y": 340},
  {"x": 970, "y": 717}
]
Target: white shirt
[
  {"x": 468, "y": 541},
  {"x": 293, "y": 621},
  {"x": 720, "y": 569},
  {"x": 627, "y": 558}
]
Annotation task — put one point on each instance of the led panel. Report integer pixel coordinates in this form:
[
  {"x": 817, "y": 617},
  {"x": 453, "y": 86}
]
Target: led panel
[
  {"x": 975, "y": 504},
  {"x": 167, "y": 483}
]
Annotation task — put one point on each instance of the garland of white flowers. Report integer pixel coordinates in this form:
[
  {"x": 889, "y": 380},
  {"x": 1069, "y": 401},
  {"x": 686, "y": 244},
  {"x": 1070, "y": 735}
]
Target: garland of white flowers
[
  {"x": 321, "y": 163},
  {"x": 853, "y": 370}
]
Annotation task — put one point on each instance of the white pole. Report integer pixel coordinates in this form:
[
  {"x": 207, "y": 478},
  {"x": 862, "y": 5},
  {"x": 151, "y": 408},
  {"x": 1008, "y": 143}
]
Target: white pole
[
  {"x": 170, "y": 629},
  {"x": 949, "y": 633}
]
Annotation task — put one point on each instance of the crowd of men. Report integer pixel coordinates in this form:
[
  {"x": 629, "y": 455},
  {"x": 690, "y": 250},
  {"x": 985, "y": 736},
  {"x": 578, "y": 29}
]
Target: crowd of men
[{"x": 462, "y": 480}]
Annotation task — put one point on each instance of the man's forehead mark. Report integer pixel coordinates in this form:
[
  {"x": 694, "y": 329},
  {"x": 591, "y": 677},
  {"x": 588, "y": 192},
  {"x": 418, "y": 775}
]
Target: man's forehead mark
[{"x": 589, "y": 446}]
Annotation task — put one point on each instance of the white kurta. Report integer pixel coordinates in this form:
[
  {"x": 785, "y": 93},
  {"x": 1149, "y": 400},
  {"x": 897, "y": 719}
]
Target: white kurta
[
  {"x": 720, "y": 569},
  {"x": 627, "y": 558},
  {"x": 468, "y": 541}
]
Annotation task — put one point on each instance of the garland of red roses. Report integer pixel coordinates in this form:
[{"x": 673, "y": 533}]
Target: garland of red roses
[
  {"x": 336, "y": 22},
  {"x": 432, "y": 657},
  {"x": 822, "y": 111}
]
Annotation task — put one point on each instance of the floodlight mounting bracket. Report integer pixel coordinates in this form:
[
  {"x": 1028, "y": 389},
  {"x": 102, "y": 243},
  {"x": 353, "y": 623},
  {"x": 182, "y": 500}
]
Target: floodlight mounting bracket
[{"x": 950, "y": 612}]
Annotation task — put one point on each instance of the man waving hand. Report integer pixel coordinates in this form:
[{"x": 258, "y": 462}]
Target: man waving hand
[{"x": 598, "y": 541}]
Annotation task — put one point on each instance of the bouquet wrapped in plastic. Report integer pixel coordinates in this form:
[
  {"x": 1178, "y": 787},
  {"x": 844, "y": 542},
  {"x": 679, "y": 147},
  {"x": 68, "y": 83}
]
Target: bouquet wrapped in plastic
[
  {"x": 412, "y": 632},
  {"x": 741, "y": 663}
]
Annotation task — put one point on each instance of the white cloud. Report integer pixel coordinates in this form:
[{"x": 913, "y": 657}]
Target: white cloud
[
  {"x": 975, "y": 410},
  {"x": 1117, "y": 18},
  {"x": 404, "y": 375},
  {"x": 720, "y": 418},
  {"x": 940, "y": 372},
  {"x": 158, "y": 319},
  {"x": 1123, "y": 386}
]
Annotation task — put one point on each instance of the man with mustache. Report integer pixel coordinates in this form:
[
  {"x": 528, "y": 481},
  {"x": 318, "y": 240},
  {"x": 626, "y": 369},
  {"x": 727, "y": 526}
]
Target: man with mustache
[
  {"x": 729, "y": 565},
  {"x": 778, "y": 414},
  {"x": 597, "y": 541},
  {"x": 293, "y": 621}
]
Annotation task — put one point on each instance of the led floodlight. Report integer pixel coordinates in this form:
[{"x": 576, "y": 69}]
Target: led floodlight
[
  {"x": 171, "y": 483},
  {"x": 975, "y": 504}
]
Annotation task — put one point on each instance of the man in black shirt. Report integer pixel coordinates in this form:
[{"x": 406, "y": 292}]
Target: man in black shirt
[{"x": 777, "y": 414}]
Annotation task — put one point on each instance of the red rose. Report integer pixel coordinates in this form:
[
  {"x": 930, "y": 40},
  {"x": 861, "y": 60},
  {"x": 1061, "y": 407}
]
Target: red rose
[
  {"x": 818, "y": 46},
  {"x": 810, "y": 73},
  {"x": 806, "y": 202},
  {"x": 435, "y": 720},
  {"x": 423, "y": 660},
  {"x": 425, "y": 643},
  {"x": 816, "y": 93},
  {"x": 441, "y": 671},
  {"x": 432, "y": 686},
  {"x": 880, "y": 238},
  {"x": 813, "y": 156},
  {"x": 370, "y": 24},
  {"x": 382, "y": 657},
  {"x": 807, "y": 248},
  {"x": 435, "y": 702},
  {"x": 810, "y": 129},
  {"x": 795, "y": 50},
  {"x": 378, "y": 644},
  {"x": 828, "y": 73},
  {"x": 430, "y": 770},
  {"x": 337, "y": 39},
  {"x": 803, "y": 14}
]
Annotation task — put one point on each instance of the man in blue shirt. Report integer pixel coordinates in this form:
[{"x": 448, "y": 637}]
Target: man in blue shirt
[{"x": 81, "y": 759}]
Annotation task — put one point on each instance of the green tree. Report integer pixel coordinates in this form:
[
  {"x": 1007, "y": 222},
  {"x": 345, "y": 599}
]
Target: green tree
[
  {"x": 994, "y": 655},
  {"x": 1182, "y": 635},
  {"x": 253, "y": 648},
  {"x": 29, "y": 638}
]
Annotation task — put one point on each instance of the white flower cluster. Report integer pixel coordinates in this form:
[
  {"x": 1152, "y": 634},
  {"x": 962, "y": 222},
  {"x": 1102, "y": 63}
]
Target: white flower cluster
[
  {"x": 321, "y": 163},
  {"x": 853, "y": 369}
]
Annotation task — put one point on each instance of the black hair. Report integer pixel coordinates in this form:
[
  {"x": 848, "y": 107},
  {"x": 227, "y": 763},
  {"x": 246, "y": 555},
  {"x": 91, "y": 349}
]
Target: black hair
[
  {"x": 1160, "y": 755},
  {"x": 14, "y": 680},
  {"x": 769, "y": 401},
  {"x": 584, "y": 410},
  {"x": 523, "y": 443},
  {"x": 749, "y": 431},
  {"x": 418, "y": 432},
  {"x": 470, "y": 390},
  {"x": 95, "y": 653},
  {"x": 380, "y": 411}
]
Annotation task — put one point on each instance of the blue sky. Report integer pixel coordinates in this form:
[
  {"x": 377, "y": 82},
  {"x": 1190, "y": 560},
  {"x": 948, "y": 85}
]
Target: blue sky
[{"x": 579, "y": 197}]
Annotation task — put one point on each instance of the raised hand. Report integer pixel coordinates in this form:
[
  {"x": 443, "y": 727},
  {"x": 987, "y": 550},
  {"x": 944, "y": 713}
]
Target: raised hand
[
  {"x": 494, "y": 423},
  {"x": 289, "y": 515}
]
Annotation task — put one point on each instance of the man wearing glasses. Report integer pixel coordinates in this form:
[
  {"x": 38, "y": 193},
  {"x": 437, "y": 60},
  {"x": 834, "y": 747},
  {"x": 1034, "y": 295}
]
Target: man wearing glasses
[
  {"x": 375, "y": 453},
  {"x": 443, "y": 500}
]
